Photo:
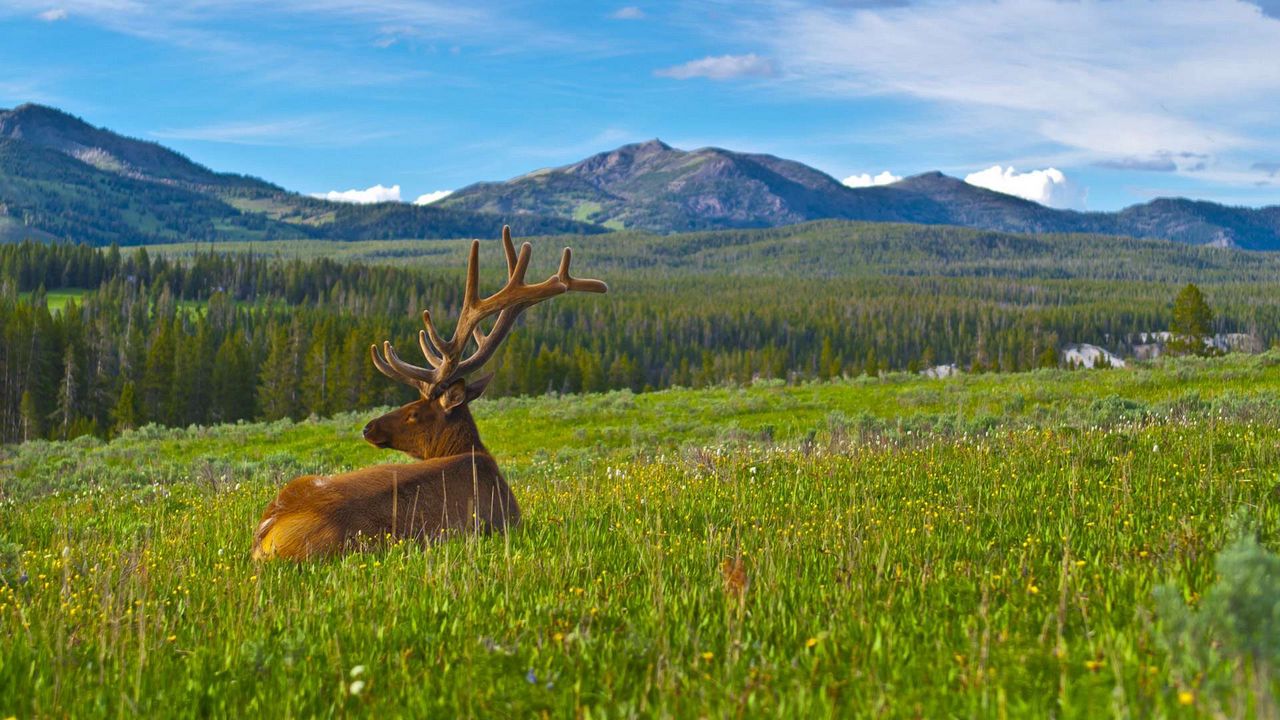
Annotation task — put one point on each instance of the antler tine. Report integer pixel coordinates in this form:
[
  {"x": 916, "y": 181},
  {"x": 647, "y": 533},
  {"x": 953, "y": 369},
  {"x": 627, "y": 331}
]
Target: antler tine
[
  {"x": 578, "y": 284},
  {"x": 438, "y": 346},
  {"x": 509, "y": 250},
  {"x": 394, "y": 368},
  {"x": 382, "y": 366},
  {"x": 471, "y": 294},
  {"x": 521, "y": 267},
  {"x": 412, "y": 372},
  {"x": 487, "y": 344},
  {"x": 427, "y": 351}
]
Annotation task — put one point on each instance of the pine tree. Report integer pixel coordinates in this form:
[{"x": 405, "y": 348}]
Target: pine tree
[
  {"x": 125, "y": 414},
  {"x": 232, "y": 381},
  {"x": 32, "y": 427},
  {"x": 157, "y": 377},
  {"x": 278, "y": 383},
  {"x": 68, "y": 393},
  {"x": 1192, "y": 323}
]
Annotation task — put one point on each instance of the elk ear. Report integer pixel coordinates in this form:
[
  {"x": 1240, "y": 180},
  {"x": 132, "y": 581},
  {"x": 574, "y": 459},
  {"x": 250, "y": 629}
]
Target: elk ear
[
  {"x": 476, "y": 389},
  {"x": 453, "y": 396}
]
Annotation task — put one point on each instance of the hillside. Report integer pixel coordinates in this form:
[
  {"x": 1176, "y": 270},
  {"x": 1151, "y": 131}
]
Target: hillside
[
  {"x": 63, "y": 178},
  {"x": 828, "y": 249},
  {"x": 654, "y": 187}
]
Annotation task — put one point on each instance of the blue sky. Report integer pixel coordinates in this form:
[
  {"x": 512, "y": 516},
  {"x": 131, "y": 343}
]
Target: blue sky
[{"x": 1091, "y": 104}]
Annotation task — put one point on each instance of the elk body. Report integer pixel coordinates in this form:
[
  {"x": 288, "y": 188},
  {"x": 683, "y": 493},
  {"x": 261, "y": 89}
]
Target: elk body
[{"x": 455, "y": 485}]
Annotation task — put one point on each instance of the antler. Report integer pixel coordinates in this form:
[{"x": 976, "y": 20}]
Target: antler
[{"x": 445, "y": 356}]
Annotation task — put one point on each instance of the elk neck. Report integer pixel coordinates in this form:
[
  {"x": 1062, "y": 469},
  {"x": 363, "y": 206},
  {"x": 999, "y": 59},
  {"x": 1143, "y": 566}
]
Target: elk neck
[{"x": 459, "y": 436}]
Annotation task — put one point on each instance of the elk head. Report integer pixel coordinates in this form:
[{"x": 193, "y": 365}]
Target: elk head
[{"x": 439, "y": 424}]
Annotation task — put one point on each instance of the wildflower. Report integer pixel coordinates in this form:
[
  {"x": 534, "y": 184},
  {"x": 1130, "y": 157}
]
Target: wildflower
[
  {"x": 707, "y": 656},
  {"x": 1093, "y": 665},
  {"x": 356, "y": 687},
  {"x": 1033, "y": 589},
  {"x": 357, "y": 671},
  {"x": 531, "y": 677},
  {"x": 1186, "y": 697},
  {"x": 811, "y": 642}
]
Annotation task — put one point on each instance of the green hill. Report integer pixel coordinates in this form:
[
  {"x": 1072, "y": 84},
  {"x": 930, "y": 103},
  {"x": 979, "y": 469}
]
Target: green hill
[{"x": 62, "y": 178}]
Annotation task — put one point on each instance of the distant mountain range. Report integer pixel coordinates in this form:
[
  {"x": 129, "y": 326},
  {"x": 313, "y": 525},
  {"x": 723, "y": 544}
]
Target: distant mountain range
[
  {"x": 653, "y": 186},
  {"x": 63, "y": 178}
]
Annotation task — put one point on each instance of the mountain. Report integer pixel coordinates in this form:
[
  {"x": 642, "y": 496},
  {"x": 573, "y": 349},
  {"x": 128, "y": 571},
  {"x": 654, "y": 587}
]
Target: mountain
[
  {"x": 63, "y": 178},
  {"x": 655, "y": 187}
]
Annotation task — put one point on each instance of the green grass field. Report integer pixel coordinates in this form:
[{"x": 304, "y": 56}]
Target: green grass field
[
  {"x": 985, "y": 546},
  {"x": 58, "y": 299}
]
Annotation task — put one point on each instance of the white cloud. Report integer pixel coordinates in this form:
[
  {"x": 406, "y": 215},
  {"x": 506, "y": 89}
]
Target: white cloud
[
  {"x": 433, "y": 196},
  {"x": 868, "y": 180},
  {"x": 1103, "y": 80},
  {"x": 721, "y": 67},
  {"x": 53, "y": 15},
  {"x": 1048, "y": 187},
  {"x": 630, "y": 12},
  {"x": 375, "y": 194}
]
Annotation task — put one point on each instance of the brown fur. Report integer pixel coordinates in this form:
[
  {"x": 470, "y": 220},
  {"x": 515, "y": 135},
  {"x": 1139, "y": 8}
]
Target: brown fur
[{"x": 455, "y": 487}]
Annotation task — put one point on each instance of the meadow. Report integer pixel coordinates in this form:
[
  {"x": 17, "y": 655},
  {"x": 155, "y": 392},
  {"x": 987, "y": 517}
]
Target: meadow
[{"x": 982, "y": 546}]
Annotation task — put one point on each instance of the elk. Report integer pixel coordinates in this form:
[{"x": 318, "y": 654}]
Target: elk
[{"x": 455, "y": 484}]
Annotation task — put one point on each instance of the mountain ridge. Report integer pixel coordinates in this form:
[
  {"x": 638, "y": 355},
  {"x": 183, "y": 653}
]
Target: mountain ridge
[
  {"x": 655, "y": 187},
  {"x": 62, "y": 178}
]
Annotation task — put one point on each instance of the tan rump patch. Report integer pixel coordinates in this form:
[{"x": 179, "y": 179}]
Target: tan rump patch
[{"x": 296, "y": 536}]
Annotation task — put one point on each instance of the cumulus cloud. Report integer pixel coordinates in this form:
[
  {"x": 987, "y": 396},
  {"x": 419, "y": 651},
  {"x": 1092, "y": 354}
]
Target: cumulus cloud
[
  {"x": 869, "y": 180},
  {"x": 721, "y": 67},
  {"x": 53, "y": 15},
  {"x": 630, "y": 12},
  {"x": 1048, "y": 187},
  {"x": 375, "y": 194},
  {"x": 433, "y": 196}
]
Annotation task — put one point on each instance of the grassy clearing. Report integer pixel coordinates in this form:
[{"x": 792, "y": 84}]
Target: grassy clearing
[
  {"x": 58, "y": 299},
  {"x": 976, "y": 547}
]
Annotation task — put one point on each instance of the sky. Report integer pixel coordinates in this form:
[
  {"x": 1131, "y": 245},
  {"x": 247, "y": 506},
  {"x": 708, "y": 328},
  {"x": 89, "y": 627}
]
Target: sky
[{"x": 1084, "y": 104}]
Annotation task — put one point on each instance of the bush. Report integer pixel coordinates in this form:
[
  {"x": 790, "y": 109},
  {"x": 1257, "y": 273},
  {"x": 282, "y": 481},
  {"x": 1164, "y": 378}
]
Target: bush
[{"x": 1227, "y": 647}]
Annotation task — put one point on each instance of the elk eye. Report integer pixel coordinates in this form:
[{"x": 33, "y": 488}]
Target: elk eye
[{"x": 410, "y": 419}]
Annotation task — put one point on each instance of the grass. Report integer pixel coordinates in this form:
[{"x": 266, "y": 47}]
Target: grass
[
  {"x": 983, "y": 546},
  {"x": 58, "y": 299}
]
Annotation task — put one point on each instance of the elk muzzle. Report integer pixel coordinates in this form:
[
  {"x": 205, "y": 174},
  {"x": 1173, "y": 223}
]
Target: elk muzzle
[{"x": 375, "y": 435}]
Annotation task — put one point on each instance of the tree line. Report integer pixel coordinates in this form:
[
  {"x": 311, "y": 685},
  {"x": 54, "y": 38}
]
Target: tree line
[{"x": 224, "y": 337}]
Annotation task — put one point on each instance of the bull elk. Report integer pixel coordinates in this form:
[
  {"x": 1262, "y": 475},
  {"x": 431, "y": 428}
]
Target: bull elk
[{"x": 455, "y": 485}]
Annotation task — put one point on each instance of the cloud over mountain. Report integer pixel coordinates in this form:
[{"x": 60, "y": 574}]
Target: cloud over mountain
[
  {"x": 375, "y": 194},
  {"x": 869, "y": 180},
  {"x": 1048, "y": 187},
  {"x": 428, "y": 198}
]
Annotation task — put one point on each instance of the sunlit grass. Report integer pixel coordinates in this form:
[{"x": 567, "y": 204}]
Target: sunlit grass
[{"x": 900, "y": 547}]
